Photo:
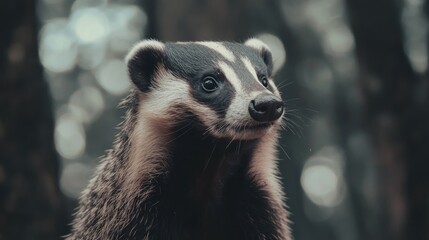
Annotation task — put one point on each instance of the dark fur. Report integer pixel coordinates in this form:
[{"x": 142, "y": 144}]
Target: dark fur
[{"x": 205, "y": 194}]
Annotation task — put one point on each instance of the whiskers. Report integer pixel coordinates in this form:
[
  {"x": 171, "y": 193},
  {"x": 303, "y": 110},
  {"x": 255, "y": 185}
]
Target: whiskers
[
  {"x": 284, "y": 84},
  {"x": 211, "y": 155},
  {"x": 284, "y": 151},
  {"x": 294, "y": 121}
]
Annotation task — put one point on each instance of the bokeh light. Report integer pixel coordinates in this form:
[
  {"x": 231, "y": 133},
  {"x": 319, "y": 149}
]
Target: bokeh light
[
  {"x": 57, "y": 47},
  {"x": 322, "y": 179},
  {"x": 127, "y": 26},
  {"x": 277, "y": 48},
  {"x": 89, "y": 102},
  {"x": 91, "y": 55},
  {"x": 112, "y": 76},
  {"x": 89, "y": 25},
  {"x": 69, "y": 136},
  {"x": 338, "y": 40},
  {"x": 74, "y": 178},
  {"x": 320, "y": 183},
  {"x": 317, "y": 76},
  {"x": 82, "y": 45},
  {"x": 416, "y": 30}
]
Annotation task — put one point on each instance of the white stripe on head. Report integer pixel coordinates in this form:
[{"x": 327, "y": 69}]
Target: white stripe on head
[
  {"x": 231, "y": 76},
  {"x": 251, "y": 69},
  {"x": 219, "y": 48}
]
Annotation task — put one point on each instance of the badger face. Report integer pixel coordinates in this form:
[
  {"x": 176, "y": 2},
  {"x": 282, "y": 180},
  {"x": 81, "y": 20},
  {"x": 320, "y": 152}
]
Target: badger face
[{"x": 227, "y": 86}]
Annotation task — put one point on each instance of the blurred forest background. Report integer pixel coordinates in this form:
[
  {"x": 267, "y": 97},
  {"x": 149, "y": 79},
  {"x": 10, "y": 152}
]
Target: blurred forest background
[{"x": 355, "y": 163}]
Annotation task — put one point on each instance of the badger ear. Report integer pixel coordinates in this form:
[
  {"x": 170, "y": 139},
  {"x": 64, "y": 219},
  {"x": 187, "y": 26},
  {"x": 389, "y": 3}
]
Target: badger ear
[
  {"x": 264, "y": 51},
  {"x": 143, "y": 62}
]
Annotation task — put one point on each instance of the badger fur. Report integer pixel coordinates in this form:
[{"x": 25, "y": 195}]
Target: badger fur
[{"x": 195, "y": 155}]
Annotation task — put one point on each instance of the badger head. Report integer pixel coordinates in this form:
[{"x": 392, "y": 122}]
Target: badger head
[{"x": 228, "y": 87}]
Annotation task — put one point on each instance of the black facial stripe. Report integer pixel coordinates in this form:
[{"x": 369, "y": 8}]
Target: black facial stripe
[
  {"x": 218, "y": 101},
  {"x": 192, "y": 61},
  {"x": 249, "y": 83},
  {"x": 254, "y": 57},
  {"x": 187, "y": 59}
]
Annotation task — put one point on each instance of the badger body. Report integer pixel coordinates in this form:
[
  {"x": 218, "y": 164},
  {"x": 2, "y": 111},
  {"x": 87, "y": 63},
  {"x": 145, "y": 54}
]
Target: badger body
[{"x": 195, "y": 155}]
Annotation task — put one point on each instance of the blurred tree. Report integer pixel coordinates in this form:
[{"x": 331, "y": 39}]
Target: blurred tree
[
  {"x": 31, "y": 204},
  {"x": 397, "y": 114}
]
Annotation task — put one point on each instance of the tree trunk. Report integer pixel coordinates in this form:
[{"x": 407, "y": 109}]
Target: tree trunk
[
  {"x": 397, "y": 114},
  {"x": 30, "y": 200}
]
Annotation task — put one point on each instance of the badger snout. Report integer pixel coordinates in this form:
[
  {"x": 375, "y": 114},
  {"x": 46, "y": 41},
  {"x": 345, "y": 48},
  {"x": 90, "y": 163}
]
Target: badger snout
[{"x": 266, "y": 107}]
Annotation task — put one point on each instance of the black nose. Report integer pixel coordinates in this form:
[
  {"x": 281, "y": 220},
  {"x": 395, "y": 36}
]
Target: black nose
[{"x": 266, "y": 107}]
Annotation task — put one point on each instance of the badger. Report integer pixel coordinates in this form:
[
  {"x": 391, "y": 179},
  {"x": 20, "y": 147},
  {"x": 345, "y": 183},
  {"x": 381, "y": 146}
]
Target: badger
[{"x": 195, "y": 157}]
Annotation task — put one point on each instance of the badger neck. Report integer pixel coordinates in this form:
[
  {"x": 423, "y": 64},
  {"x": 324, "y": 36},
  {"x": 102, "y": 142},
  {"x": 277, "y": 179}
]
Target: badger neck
[
  {"x": 187, "y": 176},
  {"x": 202, "y": 171},
  {"x": 203, "y": 164}
]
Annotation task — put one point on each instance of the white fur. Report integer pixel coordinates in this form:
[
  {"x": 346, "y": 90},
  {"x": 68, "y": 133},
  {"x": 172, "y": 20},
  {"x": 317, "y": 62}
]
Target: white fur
[
  {"x": 231, "y": 76},
  {"x": 219, "y": 48},
  {"x": 257, "y": 44},
  {"x": 263, "y": 165},
  {"x": 171, "y": 96},
  {"x": 169, "y": 99},
  {"x": 148, "y": 153},
  {"x": 251, "y": 69},
  {"x": 154, "y": 44},
  {"x": 151, "y": 135},
  {"x": 263, "y": 168},
  {"x": 275, "y": 90},
  {"x": 166, "y": 94},
  {"x": 238, "y": 115},
  {"x": 238, "y": 111}
]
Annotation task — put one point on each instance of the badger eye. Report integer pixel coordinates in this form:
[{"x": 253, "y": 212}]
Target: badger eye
[
  {"x": 209, "y": 84},
  {"x": 264, "y": 81}
]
